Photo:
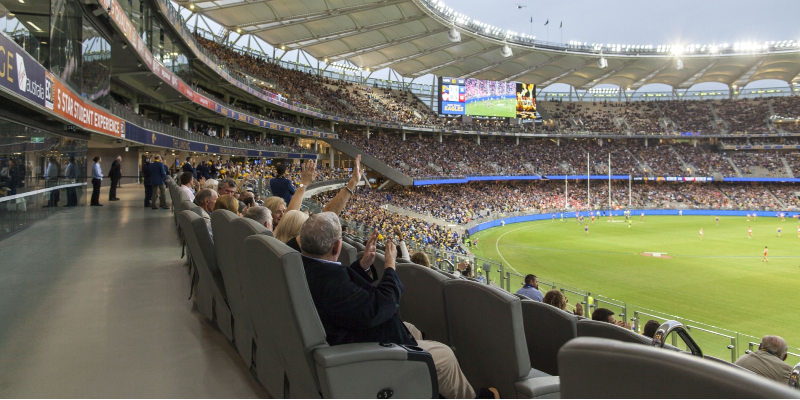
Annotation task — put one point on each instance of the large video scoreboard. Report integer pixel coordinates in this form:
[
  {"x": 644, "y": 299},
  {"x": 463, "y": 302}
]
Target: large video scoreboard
[{"x": 476, "y": 97}]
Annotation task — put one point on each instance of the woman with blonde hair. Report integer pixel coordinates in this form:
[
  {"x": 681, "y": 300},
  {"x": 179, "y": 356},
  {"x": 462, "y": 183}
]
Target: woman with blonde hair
[
  {"x": 290, "y": 225},
  {"x": 227, "y": 202},
  {"x": 420, "y": 258},
  {"x": 557, "y": 299}
]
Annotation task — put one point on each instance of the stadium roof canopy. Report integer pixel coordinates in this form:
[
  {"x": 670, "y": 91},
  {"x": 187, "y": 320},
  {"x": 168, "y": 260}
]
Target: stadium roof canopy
[{"x": 415, "y": 38}]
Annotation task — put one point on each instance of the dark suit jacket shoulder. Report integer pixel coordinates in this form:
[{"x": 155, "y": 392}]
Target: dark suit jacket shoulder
[
  {"x": 116, "y": 170},
  {"x": 351, "y": 309}
]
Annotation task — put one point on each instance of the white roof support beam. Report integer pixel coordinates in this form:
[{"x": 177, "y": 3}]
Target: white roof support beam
[
  {"x": 350, "y": 32},
  {"x": 690, "y": 82},
  {"x": 368, "y": 49},
  {"x": 743, "y": 79},
  {"x": 638, "y": 84},
  {"x": 566, "y": 73},
  {"x": 599, "y": 81},
  {"x": 419, "y": 54},
  {"x": 533, "y": 68},
  {"x": 519, "y": 54},
  {"x": 456, "y": 60},
  {"x": 310, "y": 17}
]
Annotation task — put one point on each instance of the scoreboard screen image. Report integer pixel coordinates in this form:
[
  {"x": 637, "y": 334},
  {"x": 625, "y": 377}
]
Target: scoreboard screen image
[
  {"x": 526, "y": 101},
  {"x": 491, "y": 98},
  {"x": 452, "y": 96}
]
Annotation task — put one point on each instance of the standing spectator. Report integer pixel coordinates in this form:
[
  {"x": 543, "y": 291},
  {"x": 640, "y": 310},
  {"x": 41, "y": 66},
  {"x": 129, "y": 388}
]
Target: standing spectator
[
  {"x": 148, "y": 189},
  {"x": 51, "y": 180},
  {"x": 203, "y": 171},
  {"x": 187, "y": 167},
  {"x": 71, "y": 173},
  {"x": 115, "y": 174},
  {"x": 769, "y": 361},
  {"x": 16, "y": 177},
  {"x": 530, "y": 288},
  {"x": 158, "y": 179},
  {"x": 97, "y": 180},
  {"x": 280, "y": 186}
]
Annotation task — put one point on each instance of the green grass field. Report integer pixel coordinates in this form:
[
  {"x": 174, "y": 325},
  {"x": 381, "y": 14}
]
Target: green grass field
[
  {"x": 499, "y": 108},
  {"x": 720, "y": 280}
]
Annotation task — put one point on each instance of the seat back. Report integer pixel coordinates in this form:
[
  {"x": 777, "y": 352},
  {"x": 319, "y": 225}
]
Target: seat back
[
  {"x": 207, "y": 251},
  {"x": 547, "y": 329},
  {"x": 587, "y": 327},
  {"x": 225, "y": 246},
  {"x": 348, "y": 254},
  {"x": 487, "y": 335},
  {"x": 285, "y": 298},
  {"x": 602, "y": 368},
  {"x": 423, "y": 302},
  {"x": 268, "y": 367}
]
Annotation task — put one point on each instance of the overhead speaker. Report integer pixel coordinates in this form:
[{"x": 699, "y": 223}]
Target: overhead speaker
[
  {"x": 602, "y": 62},
  {"x": 679, "y": 64},
  {"x": 454, "y": 35},
  {"x": 506, "y": 51}
]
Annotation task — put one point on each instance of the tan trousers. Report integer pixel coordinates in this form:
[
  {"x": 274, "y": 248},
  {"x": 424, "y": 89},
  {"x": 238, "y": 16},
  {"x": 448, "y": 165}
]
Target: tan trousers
[{"x": 452, "y": 382}]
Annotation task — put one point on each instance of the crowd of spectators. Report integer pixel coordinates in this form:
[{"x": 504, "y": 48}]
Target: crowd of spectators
[
  {"x": 760, "y": 164},
  {"x": 744, "y": 115},
  {"x": 690, "y": 116}
]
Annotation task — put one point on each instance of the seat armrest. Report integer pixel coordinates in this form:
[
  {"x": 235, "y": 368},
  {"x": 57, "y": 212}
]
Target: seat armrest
[
  {"x": 368, "y": 370},
  {"x": 548, "y": 387}
]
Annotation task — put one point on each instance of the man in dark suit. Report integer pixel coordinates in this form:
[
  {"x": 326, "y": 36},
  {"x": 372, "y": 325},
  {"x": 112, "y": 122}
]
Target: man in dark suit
[
  {"x": 187, "y": 167},
  {"x": 202, "y": 171},
  {"x": 148, "y": 189},
  {"x": 115, "y": 174},
  {"x": 158, "y": 179},
  {"x": 280, "y": 186},
  {"x": 353, "y": 311}
]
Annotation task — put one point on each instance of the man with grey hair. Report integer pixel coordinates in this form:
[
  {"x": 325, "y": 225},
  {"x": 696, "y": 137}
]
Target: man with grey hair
[
  {"x": 228, "y": 186},
  {"x": 260, "y": 214},
  {"x": 354, "y": 311},
  {"x": 206, "y": 199},
  {"x": 769, "y": 360}
]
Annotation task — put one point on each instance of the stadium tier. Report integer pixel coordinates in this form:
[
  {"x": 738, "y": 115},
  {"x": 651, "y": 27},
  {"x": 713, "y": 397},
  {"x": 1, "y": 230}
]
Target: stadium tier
[{"x": 360, "y": 202}]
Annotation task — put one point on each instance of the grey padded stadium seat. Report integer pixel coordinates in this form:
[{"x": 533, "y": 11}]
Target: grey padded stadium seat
[
  {"x": 225, "y": 246},
  {"x": 546, "y": 329},
  {"x": 210, "y": 293},
  {"x": 358, "y": 245},
  {"x": 267, "y": 365},
  {"x": 488, "y": 338},
  {"x": 446, "y": 274},
  {"x": 348, "y": 254},
  {"x": 602, "y": 368},
  {"x": 587, "y": 327},
  {"x": 423, "y": 303},
  {"x": 314, "y": 369}
]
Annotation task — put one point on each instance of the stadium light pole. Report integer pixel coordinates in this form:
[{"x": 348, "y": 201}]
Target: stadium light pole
[
  {"x": 566, "y": 193},
  {"x": 609, "y": 182},
  {"x": 588, "y": 192},
  {"x": 630, "y": 198}
]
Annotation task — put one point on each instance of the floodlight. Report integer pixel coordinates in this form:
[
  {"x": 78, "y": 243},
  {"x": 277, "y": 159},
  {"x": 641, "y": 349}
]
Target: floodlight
[{"x": 506, "y": 52}]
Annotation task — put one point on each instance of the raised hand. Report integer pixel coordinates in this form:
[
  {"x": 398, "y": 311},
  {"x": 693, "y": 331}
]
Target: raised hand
[
  {"x": 308, "y": 172},
  {"x": 390, "y": 253},
  {"x": 356, "y": 171},
  {"x": 369, "y": 250}
]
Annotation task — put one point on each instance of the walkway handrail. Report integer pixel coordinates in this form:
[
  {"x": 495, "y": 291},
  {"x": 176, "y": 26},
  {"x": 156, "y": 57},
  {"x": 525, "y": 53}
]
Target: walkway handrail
[{"x": 659, "y": 339}]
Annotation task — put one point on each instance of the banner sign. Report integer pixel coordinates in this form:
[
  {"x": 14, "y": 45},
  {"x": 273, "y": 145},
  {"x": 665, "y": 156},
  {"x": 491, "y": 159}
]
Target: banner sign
[
  {"x": 64, "y": 102},
  {"x": 147, "y": 137}
]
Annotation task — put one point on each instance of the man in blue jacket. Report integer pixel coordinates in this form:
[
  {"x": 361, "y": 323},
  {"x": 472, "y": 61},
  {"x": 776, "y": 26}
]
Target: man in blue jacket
[
  {"x": 280, "y": 186},
  {"x": 158, "y": 179}
]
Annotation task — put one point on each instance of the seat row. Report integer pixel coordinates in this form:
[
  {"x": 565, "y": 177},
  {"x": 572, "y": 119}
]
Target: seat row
[{"x": 253, "y": 287}]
